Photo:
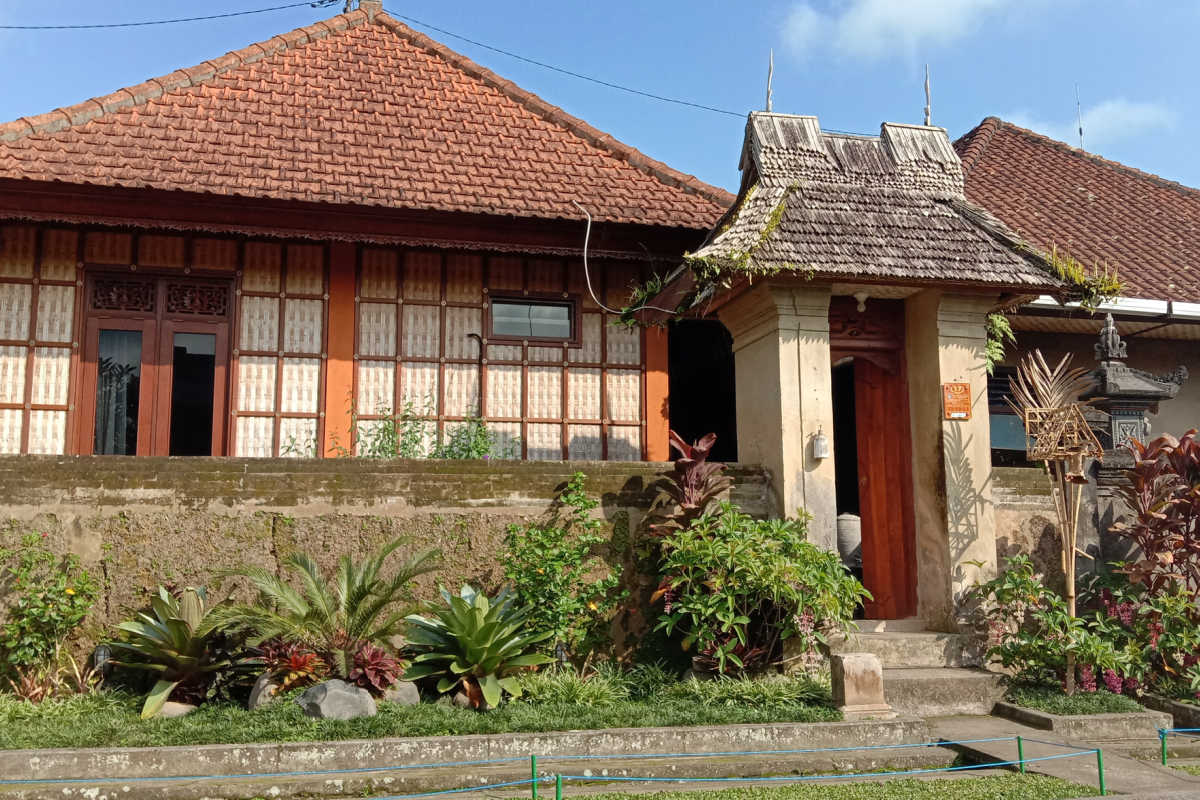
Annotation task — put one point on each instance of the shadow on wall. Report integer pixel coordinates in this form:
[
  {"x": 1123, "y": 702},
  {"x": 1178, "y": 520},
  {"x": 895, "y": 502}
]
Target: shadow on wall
[{"x": 966, "y": 500}]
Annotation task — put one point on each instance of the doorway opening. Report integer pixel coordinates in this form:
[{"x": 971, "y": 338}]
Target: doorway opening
[
  {"x": 701, "y": 385},
  {"x": 873, "y": 452},
  {"x": 154, "y": 366}
]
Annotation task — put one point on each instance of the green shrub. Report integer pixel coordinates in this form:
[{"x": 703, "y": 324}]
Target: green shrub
[
  {"x": 647, "y": 680},
  {"x": 1054, "y": 701},
  {"x": 51, "y": 596},
  {"x": 555, "y": 569},
  {"x": 566, "y": 685},
  {"x": 474, "y": 642},
  {"x": 737, "y": 587},
  {"x": 332, "y": 616}
]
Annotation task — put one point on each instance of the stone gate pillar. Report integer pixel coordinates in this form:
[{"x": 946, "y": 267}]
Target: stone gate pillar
[
  {"x": 784, "y": 396},
  {"x": 945, "y": 340}
]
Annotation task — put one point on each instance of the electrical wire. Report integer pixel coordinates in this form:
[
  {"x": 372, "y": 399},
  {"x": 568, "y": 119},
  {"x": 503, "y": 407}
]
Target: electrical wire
[
  {"x": 587, "y": 274},
  {"x": 310, "y": 3},
  {"x": 563, "y": 71}
]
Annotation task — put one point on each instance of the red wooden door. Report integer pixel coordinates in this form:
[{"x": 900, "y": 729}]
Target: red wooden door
[{"x": 885, "y": 487}]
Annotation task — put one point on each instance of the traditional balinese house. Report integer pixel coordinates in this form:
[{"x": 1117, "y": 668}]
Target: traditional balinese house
[
  {"x": 856, "y": 278},
  {"x": 1105, "y": 215},
  {"x": 251, "y": 256}
]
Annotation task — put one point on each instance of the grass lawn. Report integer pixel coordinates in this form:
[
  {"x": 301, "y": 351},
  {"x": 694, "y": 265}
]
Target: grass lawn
[
  {"x": 1190, "y": 769},
  {"x": 112, "y": 720},
  {"x": 1053, "y": 701},
  {"x": 1001, "y": 787}
]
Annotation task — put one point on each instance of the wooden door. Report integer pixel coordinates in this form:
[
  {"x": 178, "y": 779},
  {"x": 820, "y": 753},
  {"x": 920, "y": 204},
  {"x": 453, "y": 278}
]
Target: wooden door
[
  {"x": 119, "y": 381},
  {"x": 885, "y": 486}
]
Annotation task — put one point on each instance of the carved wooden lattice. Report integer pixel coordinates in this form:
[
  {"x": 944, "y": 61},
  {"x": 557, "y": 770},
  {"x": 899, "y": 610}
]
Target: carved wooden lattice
[
  {"x": 121, "y": 294},
  {"x": 200, "y": 299}
]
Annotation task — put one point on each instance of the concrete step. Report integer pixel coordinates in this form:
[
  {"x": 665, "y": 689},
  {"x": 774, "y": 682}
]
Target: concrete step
[
  {"x": 906, "y": 648},
  {"x": 942, "y": 691}
]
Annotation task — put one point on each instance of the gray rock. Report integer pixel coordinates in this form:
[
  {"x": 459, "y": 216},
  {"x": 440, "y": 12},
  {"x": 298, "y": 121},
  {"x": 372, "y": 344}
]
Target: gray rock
[
  {"x": 461, "y": 700},
  {"x": 336, "y": 699},
  {"x": 403, "y": 693},
  {"x": 172, "y": 709},
  {"x": 265, "y": 691}
]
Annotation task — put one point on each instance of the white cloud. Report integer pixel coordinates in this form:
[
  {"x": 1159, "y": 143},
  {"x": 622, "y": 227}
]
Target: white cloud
[
  {"x": 1103, "y": 124},
  {"x": 879, "y": 28}
]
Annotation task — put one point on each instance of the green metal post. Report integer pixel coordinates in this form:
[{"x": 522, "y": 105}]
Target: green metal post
[
  {"x": 1162, "y": 737},
  {"x": 533, "y": 772},
  {"x": 1021, "y": 754},
  {"x": 1100, "y": 771},
  {"x": 558, "y": 787}
]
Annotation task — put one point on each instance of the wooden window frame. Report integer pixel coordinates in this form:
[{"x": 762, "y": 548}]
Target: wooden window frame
[
  {"x": 574, "y": 341},
  {"x": 158, "y": 329}
]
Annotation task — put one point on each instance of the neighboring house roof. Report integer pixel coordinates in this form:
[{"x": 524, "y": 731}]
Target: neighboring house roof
[
  {"x": 357, "y": 109},
  {"x": 887, "y": 208},
  {"x": 1055, "y": 195}
]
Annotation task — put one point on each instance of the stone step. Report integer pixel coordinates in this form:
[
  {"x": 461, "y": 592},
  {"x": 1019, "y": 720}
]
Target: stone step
[
  {"x": 906, "y": 648},
  {"x": 942, "y": 691}
]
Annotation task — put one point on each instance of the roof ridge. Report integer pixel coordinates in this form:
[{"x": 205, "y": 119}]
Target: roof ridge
[
  {"x": 556, "y": 115},
  {"x": 152, "y": 88},
  {"x": 997, "y": 123}
]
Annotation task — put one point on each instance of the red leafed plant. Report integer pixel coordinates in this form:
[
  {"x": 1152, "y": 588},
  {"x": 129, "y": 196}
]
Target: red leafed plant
[
  {"x": 1162, "y": 490},
  {"x": 291, "y": 664},
  {"x": 687, "y": 491},
  {"x": 375, "y": 669}
]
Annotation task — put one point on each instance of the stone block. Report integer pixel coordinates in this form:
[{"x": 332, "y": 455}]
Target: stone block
[
  {"x": 404, "y": 693},
  {"x": 858, "y": 686},
  {"x": 335, "y": 699}
]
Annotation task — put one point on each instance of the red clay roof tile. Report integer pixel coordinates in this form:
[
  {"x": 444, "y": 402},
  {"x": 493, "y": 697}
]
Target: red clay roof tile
[
  {"x": 351, "y": 110},
  {"x": 1055, "y": 195}
]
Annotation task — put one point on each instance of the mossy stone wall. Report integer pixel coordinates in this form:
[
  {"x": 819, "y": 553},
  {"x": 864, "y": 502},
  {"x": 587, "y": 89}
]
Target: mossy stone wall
[{"x": 139, "y": 522}]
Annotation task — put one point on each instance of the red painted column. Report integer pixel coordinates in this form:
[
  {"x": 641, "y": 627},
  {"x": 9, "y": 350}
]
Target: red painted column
[
  {"x": 339, "y": 367},
  {"x": 658, "y": 423}
]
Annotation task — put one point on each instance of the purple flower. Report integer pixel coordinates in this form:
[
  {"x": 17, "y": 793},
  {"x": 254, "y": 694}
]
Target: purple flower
[
  {"x": 1112, "y": 681},
  {"x": 1087, "y": 678}
]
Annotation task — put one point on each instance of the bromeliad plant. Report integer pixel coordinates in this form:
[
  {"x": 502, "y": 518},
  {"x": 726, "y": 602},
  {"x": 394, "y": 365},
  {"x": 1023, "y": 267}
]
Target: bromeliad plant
[
  {"x": 737, "y": 587},
  {"x": 476, "y": 644},
  {"x": 333, "y": 616},
  {"x": 180, "y": 640}
]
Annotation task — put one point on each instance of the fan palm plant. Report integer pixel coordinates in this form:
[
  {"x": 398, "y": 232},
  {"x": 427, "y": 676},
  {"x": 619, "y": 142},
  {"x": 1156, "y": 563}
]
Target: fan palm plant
[
  {"x": 334, "y": 615},
  {"x": 476, "y": 643}
]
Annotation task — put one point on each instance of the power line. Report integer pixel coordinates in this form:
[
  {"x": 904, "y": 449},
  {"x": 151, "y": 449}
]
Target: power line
[
  {"x": 581, "y": 76},
  {"x": 311, "y": 3}
]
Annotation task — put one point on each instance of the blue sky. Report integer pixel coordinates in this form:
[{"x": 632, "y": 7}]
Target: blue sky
[{"x": 853, "y": 63}]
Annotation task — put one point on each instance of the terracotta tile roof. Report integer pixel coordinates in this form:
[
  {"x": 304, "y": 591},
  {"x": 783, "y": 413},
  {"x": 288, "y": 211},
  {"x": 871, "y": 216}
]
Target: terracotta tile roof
[
  {"x": 357, "y": 109},
  {"x": 882, "y": 208},
  {"x": 1053, "y": 194}
]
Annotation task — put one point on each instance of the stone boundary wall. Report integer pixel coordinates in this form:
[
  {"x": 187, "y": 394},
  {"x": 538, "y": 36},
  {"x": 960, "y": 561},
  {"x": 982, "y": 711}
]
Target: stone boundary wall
[{"x": 138, "y": 522}]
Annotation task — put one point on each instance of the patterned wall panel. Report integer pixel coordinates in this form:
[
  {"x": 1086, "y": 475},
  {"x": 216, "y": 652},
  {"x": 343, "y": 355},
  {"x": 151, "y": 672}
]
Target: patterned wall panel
[
  {"x": 281, "y": 363},
  {"x": 161, "y": 251},
  {"x": 38, "y": 270},
  {"x": 425, "y": 309},
  {"x": 104, "y": 247}
]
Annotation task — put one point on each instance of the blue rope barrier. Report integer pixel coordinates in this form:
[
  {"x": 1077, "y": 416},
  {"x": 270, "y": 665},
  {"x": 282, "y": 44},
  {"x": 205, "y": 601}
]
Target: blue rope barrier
[
  {"x": 297, "y": 773},
  {"x": 483, "y": 788},
  {"x": 636, "y": 756},
  {"x": 796, "y": 778}
]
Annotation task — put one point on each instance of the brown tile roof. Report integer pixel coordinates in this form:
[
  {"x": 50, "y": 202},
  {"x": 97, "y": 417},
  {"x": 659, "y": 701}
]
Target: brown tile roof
[
  {"x": 880, "y": 208},
  {"x": 356, "y": 109},
  {"x": 1053, "y": 194}
]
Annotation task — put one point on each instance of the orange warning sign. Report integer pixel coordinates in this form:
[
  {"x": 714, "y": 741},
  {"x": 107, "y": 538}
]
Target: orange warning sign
[{"x": 956, "y": 400}]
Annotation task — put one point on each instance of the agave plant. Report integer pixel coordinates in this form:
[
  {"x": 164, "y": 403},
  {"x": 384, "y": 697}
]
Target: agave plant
[
  {"x": 333, "y": 616},
  {"x": 476, "y": 643},
  {"x": 179, "y": 639}
]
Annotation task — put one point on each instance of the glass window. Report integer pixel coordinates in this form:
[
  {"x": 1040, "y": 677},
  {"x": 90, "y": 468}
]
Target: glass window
[
  {"x": 118, "y": 380},
  {"x": 192, "y": 384},
  {"x": 520, "y": 319}
]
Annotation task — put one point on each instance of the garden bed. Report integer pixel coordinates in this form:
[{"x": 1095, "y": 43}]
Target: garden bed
[
  {"x": 112, "y": 720},
  {"x": 1185, "y": 715},
  {"x": 1092, "y": 726}
]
